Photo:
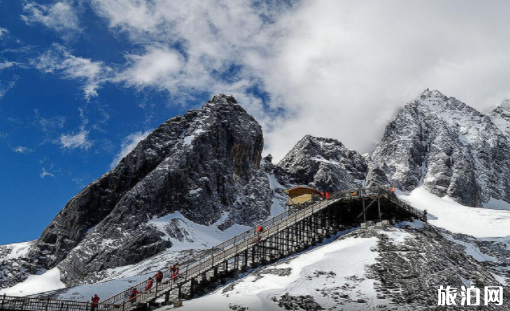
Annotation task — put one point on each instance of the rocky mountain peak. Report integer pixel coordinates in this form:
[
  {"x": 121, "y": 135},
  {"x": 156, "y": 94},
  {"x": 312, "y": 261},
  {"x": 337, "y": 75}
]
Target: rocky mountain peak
[
  {"x": 203, "y": 166},
  {"x": 431, "y": 94},
  {"x": 222, "y": 99},
  {"x": 324, "y": 163},
  {"x": 448, "y": 147}
]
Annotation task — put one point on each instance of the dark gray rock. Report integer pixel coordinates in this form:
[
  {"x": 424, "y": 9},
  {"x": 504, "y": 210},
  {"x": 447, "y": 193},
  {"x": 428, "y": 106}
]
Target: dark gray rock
[{"x": 289, "y": 302}]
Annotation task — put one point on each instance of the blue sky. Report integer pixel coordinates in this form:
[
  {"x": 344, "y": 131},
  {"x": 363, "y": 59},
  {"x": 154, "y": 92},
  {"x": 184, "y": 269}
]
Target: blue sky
[{"x": 81, "y": 81}]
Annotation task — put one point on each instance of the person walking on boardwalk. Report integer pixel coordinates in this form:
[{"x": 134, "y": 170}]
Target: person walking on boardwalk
[
  {"x": 95, "y": 302},
  {"x": 159, "y": 276},
  {"x": 175, "y": 271},
  {"x": 259, "y": 231},
  {"x": 149, "y": 284},
  {"x": 134, "y": 293}
]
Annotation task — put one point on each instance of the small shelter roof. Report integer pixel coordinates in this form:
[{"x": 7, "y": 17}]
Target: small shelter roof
[{"x": 301, "y": 188}]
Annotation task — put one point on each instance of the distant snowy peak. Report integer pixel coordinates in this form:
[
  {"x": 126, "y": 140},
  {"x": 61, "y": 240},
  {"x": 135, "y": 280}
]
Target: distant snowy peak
[
  {"x": 501, "y": 117},
  {"x": 324, "y": 163},
  {"x": 448, "y": 147}
]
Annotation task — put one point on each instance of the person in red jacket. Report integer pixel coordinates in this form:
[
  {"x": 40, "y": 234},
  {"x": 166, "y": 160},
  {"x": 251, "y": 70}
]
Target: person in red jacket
[
  {"x": 149, "y": 284},
  {"x": 95, "y": 302},
  {"x": 159, "y": 276},
  {"x": 134, "y": 293}
]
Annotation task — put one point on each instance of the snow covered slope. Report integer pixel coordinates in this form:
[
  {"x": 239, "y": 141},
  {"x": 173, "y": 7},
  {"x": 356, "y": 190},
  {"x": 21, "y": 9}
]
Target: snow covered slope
[
  {"x": 447, "y": 214},
  {"x": 394, "y": 268}
]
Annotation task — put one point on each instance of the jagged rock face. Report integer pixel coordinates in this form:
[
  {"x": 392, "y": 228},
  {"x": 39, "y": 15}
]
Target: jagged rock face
[
  {"x": 203, "y": 165},
  {"x": 324, "y": 163},
  {"x": 449, "y": 148}
]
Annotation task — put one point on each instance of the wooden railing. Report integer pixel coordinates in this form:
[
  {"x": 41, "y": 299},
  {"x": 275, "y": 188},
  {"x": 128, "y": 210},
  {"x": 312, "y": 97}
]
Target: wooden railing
[{"x": 47, "y": 304}]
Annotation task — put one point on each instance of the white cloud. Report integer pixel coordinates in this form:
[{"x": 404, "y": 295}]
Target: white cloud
[
  {"x": 78, "y": 140},
  {"x": 4, "y": 88},
  {"x": 331, "y": 68},
  {"x": 21, "y": 149},
  {"x": 58, "y": 60},
  {"x": 61, "y": 17},
  {"x": 3, "y": 31},
  {"x": 128, "y": 144},
  {"x": 6, "y": 64},
  {"x": 45, "y": 173},
  {"x": 155, "y": 67}
]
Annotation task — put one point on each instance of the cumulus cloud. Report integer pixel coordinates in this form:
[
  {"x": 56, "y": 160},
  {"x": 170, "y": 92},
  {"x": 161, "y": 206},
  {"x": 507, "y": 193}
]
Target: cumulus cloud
[
  {"x": 155, "y": 67},
  {"x": 74, "y": 141},
  {"x": 128, "y": 144},
  {"x": 329, "y": 68},
  {"x": 60, "y": 16},
  {"x": 59, "y": 60}
]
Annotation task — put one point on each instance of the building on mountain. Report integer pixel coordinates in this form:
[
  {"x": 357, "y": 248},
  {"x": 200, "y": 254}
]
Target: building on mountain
[{"x": 303, "y": 195}]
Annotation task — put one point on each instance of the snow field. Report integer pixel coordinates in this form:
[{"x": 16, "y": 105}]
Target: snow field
[
  {"x": 322, "y": 273},
  {"x": 452, "y": 216},
  {"x": 48, "y": 281}
]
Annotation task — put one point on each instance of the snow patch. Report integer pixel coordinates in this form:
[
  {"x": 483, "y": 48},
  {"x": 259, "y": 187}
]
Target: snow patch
[
  {"x": 195, "y": 191},
  {"x": 196, "y": 236},
  {"x": 452, "y": 216},
  {"x": 18, "y": 250},
  {"x": 191, "y": 137},
  {"x": 321, "y": 159},
  {"x": 50, "y": 280},
  {"x": 472, "y": 250}
]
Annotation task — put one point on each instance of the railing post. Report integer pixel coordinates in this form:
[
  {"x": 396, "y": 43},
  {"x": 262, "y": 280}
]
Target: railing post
[
  {"x": 364, "y": 210},
  {"x": 3, "y": 301},
  {"x": 157, "y": 285},
  {"x": 379, "y": 202}
]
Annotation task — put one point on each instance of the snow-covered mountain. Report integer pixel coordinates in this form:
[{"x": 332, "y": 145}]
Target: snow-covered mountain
[
  {"x": 200, "y": 179},
  {"x": 448, "y": 147},
  {"x": 501, "y": 117}
]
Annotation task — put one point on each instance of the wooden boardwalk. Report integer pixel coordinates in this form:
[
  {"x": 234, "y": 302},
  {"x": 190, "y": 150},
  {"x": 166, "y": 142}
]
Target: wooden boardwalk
[{"x": 283, "y": 235}]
